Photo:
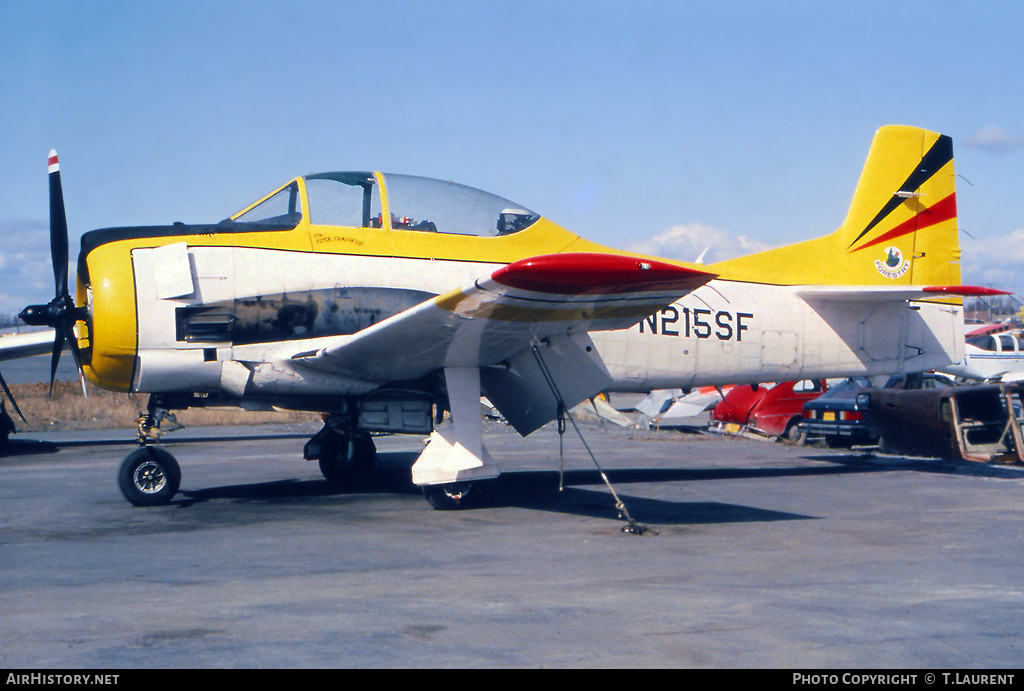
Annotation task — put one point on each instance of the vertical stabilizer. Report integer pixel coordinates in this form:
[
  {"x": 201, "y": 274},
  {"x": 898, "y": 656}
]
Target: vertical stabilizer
[{"x": 901, "y": 227}]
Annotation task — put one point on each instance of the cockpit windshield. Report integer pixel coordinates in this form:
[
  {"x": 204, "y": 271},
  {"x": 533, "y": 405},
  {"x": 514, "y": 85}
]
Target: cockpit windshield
[{"x": 281, "y": 209}]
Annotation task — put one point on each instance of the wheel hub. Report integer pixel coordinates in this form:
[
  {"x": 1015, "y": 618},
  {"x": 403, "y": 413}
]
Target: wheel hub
[{"x": 150, "y": 478}]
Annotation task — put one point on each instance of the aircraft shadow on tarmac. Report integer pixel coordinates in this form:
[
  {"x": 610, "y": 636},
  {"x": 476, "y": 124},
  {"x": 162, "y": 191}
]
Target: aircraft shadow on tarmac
[
  {"x": 28, "y": 447},
  {"x": 533, "y": 490},
  {"x": 539, "y": 490}
]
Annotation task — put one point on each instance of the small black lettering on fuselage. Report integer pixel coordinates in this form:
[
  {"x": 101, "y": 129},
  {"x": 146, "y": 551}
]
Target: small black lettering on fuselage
[{"x": 702, "y": 323}]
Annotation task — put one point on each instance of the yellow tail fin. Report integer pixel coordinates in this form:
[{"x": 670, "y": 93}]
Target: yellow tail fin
[{"x": 901, "y": 227}]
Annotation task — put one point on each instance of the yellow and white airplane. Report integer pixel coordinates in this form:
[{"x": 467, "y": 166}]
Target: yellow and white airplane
[{"x": 383, "y": 300}]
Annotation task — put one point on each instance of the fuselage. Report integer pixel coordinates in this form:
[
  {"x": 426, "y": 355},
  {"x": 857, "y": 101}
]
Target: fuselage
[
  {"x": 990, "y": 357},
  {"x": 330, "y": 255}
]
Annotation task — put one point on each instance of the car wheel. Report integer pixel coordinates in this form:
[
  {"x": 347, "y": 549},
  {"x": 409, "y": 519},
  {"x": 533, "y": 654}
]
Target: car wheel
[{"x": 794, "y": 434}]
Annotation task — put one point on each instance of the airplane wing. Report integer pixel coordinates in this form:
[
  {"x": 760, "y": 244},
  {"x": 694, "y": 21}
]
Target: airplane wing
[
  {"x": 486, "y": 323},
  {"x": 553, "y": 300},
  {"x": 17, "y": 346}
]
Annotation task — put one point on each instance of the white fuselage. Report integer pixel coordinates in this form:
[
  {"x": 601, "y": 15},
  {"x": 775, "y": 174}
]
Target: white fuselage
[
  {"x": 1002, "y": 359},
  {"x": 735, "y": 333},
  {"x": 723, "y": 333}
]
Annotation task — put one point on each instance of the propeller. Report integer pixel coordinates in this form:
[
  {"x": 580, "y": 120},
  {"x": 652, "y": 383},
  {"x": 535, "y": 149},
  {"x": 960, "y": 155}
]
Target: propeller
[{"x": 60, "y": 313}]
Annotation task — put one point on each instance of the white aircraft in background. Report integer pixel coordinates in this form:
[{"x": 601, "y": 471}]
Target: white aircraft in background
[{"x": 991, "y": 354}]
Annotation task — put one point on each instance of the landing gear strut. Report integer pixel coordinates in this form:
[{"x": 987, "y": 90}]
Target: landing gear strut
[{"x": 150, "y": 422}]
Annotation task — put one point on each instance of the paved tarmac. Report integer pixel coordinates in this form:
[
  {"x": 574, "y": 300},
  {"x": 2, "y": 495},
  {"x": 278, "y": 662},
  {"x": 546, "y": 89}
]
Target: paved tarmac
[{"x": 760, "y": 555}]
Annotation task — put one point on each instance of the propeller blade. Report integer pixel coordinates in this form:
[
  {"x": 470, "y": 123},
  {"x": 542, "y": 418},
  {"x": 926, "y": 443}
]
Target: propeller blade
[
  {"x": 10, "y": 397},
  {"x": 58, "y": 228},
  {"x": 64, "y": 334},
  {"x": 58, "y": 345}
]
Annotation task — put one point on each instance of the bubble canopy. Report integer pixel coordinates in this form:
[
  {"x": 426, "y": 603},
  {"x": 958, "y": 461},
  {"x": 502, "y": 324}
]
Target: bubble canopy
[{"x": 358, "y": 200}]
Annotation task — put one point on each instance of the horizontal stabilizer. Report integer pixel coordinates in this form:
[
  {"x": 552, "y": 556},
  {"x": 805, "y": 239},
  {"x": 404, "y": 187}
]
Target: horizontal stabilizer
[{"x": 891, "y": 293}]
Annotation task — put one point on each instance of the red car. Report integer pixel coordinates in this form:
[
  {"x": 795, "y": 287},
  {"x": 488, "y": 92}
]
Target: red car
[{"x": 775, "y": 411}]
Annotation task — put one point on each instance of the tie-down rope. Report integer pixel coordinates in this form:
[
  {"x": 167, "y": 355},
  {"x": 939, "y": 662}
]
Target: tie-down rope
[{"x": 631, "y": 527}]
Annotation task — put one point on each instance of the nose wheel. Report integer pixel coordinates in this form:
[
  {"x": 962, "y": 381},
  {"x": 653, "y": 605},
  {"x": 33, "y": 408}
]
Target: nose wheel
[{"x": 149, "y": 476}]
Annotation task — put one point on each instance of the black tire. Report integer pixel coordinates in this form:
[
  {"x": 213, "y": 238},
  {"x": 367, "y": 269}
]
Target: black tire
[
  {"x": 793, "y": 433},
  {"x": 332, "y": 461},
  {"x": 149, "y": 477},
  {"x": 335, "y": 465},
  {"x": 452, "y": 496},
  {"x": 364, "y": 454}
]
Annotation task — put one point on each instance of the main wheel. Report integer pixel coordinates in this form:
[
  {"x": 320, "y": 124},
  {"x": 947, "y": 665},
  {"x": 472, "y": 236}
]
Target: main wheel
[
  {"x": 454, "y": 495},
  {"x": 149, "y": 477},
  {"x": 334, "y": 461}
]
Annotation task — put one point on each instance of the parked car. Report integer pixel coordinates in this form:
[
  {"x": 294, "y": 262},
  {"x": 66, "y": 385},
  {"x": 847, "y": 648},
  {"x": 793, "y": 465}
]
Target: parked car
[
  {"x": 970, "y": 423},
  {"x": 773, "y": 410},
  {"x": 835, "y": 418}
]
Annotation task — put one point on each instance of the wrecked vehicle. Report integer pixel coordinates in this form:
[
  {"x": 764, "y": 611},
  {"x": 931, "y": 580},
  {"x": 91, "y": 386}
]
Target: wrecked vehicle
[
  {"x": 774, "y": 411},
  {"x": 969, "y": 423}
]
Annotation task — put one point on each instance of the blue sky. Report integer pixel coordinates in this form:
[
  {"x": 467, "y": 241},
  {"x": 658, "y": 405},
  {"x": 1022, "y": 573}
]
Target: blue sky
[{"x": 672, "y": 124}]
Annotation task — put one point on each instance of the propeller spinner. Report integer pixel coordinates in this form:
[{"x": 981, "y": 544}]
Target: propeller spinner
[{"x": 60, "y": 313}]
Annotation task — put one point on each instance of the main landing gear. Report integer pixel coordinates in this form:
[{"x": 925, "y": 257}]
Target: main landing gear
[
  {"x": 150, "y": 476},
  {"x": 343, "y": 456},
  {"x": 449, "y": 471}
]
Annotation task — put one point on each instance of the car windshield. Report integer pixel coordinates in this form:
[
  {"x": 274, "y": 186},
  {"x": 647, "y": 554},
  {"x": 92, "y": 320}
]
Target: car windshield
[{"x": 918, "y": 381}]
